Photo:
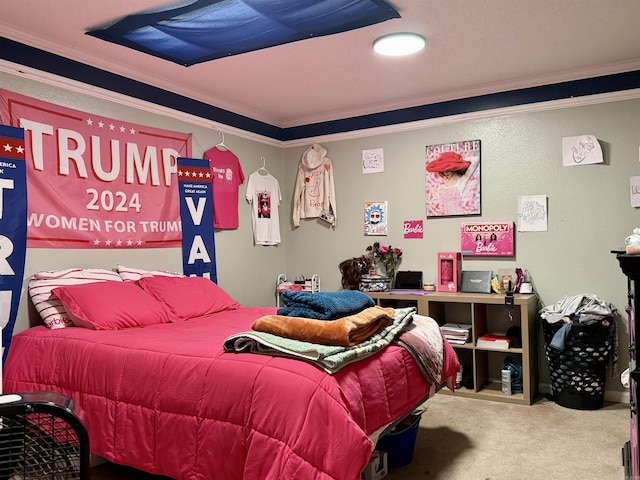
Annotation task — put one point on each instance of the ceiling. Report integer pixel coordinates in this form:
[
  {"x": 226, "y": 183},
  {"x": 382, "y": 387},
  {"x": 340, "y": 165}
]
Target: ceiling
[{"x": 473, "y": 48}]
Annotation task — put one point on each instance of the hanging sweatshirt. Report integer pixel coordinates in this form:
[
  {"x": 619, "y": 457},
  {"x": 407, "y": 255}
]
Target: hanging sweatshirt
[{"x": 314, "y": 191}]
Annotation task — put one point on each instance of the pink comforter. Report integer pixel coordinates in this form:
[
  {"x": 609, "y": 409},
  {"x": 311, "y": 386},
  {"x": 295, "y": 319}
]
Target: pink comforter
[{"x": 166, "y": 399}]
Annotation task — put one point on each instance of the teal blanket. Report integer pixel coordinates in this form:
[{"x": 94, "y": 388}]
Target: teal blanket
[
  {"x": 324, "y": 305},
  {"x": 328, "y": 357}
]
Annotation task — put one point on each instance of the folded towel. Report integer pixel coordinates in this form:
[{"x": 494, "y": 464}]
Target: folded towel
[
  {"x": 330, "y": 358},
  {"x": 324, "y": 305},
  {"x": 345, "y": 331},
  {"x": 423, "y": 340}
]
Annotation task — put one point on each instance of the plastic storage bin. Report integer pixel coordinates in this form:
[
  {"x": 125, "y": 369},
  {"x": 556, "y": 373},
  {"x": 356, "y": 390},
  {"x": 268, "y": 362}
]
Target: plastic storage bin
[
  {"x": 578, "y": 373},
  {"x": 401, "y": 442}
]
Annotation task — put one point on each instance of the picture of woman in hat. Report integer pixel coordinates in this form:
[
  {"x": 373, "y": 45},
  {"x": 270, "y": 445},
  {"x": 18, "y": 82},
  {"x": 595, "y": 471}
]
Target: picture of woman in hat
[{"x": 453, "y": 183}]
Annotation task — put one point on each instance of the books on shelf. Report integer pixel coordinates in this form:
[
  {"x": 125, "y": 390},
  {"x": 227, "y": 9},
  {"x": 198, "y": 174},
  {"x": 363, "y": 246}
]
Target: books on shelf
[
  {"x": 492, "y": 340},
  {"x": 456, "y": 333}
]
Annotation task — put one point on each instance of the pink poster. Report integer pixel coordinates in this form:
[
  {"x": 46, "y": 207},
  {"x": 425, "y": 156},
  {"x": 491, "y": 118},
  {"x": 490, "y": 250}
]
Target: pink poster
[
  {"x": 453, "y": 179},
  {"x": 97, "y": 182},
  {"x": 413, "y": 229},
  {"x": 487, "y": 238}
]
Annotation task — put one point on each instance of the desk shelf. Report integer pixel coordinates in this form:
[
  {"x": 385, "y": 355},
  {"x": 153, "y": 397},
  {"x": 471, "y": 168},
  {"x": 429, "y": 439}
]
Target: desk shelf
[{"x": 486, "y": 313}]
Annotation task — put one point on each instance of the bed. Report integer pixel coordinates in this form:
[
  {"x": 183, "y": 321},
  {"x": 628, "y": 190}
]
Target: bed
[{"x": 166, "y": 398}]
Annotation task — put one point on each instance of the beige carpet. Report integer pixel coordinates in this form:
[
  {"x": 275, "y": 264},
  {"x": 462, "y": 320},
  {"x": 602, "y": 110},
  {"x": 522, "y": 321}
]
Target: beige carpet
[{"x": 467, "y": 439}]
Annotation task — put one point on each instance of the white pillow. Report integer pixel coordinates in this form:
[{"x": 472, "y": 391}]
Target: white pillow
[
  {"x": 134, "y": 274},
  {"x": 49, "y": 306}
]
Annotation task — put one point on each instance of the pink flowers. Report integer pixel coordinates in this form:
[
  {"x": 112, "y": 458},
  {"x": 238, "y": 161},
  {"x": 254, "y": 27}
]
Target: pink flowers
[{"x": 384, "y": 253}]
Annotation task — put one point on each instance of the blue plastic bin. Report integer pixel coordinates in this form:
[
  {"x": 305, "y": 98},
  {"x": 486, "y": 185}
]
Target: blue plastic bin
[{"x": 401, "y": 442}]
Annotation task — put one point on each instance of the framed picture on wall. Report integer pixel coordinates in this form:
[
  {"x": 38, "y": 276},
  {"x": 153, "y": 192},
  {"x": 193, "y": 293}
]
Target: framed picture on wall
[{"x": 452, "y": 172}]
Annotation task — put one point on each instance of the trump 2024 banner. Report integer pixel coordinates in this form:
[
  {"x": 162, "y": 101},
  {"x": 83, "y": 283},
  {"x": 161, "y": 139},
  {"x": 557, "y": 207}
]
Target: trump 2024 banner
[
  {"x": 196, "y": 210},
  {"x": 13, "y": 228},
  {"x": 94, "y": 181}
]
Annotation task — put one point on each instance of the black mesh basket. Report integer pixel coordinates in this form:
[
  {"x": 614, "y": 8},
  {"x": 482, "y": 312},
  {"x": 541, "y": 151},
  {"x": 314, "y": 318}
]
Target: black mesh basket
[{"x": 578, "y": 373}]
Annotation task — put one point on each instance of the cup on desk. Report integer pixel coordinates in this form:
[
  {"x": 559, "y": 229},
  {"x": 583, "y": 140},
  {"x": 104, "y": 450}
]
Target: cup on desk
[{"x": 526, "y": 288}]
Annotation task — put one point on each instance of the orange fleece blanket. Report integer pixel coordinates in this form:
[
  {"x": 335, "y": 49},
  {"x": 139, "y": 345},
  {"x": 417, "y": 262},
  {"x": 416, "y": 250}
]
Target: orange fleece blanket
[{"x": 346, "y": 331}]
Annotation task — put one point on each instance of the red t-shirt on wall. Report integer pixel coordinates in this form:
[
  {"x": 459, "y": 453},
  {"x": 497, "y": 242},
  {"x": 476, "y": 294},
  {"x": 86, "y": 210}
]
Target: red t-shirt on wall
[{"x": 227, "y": 176}]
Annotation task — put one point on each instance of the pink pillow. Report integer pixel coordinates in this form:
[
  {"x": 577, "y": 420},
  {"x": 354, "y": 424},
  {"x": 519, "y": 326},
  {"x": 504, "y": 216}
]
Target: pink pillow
[
  {"x": 110, "y": 305},
  {"x": 188, "y": 297},
  {"x": 48, "y": 305}
]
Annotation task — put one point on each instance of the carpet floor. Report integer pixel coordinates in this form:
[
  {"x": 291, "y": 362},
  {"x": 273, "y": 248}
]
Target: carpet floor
[{"x": 468, "y": 439}]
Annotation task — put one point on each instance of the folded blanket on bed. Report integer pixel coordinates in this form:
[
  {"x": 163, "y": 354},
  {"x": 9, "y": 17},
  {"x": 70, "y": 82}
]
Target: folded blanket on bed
[
  {"x": 330, "y": 358},
  {"x": 324, "y": 305},
  {"x": 345, "y": 331},
  {"x": 423, "y": 339}
]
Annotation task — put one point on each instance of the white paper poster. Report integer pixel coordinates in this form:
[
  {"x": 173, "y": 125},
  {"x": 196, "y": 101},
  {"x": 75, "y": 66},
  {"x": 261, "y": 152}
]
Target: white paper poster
[
  {"x": 375, "y": 218},
  {"x": 582, "y": 150},
  {"x": 635, "y": 191},
  {"x": 373, "y": 160},
  {"x": 532, "y": 213}
]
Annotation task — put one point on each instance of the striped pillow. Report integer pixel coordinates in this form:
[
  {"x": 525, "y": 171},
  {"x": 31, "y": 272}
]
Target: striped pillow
[
  {"x": 134, "y": 274},
  {"x": 49, "y": 306}
]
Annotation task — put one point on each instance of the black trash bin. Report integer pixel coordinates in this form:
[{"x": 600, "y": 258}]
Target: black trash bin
[{"x": 578, "y": 373}]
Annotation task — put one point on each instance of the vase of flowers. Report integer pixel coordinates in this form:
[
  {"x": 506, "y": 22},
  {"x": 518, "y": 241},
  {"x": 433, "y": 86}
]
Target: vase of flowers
[{"x": 388, "y": 256}]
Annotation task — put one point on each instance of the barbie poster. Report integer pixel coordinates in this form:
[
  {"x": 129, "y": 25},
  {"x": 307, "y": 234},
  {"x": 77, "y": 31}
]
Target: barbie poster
[
  {"x": 453, "y": 179},
  {"x": 489, "y": 239}
]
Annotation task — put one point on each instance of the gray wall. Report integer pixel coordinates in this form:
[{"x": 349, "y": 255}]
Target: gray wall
[{"x": 589, "y": 208}]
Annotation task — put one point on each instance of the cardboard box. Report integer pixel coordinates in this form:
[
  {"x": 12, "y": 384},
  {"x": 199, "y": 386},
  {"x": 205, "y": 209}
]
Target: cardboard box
[
  {"x": 449, "y": 271},
  {"x": 377, "y": 467}
]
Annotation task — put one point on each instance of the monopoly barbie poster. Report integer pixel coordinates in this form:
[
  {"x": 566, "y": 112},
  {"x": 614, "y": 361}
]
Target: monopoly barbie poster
[{"x": 487, "y": 238}]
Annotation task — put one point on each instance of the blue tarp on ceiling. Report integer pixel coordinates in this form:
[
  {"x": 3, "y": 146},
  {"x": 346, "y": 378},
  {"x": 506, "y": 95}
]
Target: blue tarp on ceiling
[{"x": 198, "y": 31}]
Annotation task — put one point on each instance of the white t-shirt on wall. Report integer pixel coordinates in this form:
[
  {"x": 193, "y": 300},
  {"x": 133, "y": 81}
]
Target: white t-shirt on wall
[{"x": 263, "y": 194}]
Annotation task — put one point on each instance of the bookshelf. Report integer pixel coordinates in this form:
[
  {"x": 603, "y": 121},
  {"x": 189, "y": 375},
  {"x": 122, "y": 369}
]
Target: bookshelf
[{"x": 486, "y": 313}]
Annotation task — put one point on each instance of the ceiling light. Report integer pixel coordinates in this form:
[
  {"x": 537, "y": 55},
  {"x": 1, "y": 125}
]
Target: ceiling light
[{"x": 398, "y": 44}]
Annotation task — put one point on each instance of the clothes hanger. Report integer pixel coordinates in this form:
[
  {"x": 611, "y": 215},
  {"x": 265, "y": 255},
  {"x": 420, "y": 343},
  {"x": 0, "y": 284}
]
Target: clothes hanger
[
  {"x": 263, "y": 170},
  {"x": 221, "y": 144}
]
